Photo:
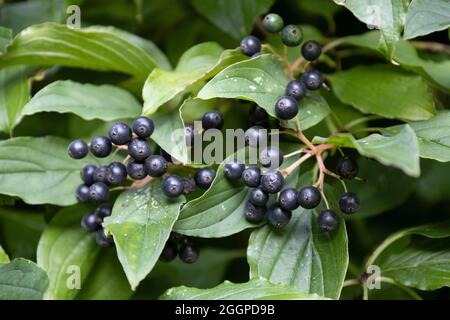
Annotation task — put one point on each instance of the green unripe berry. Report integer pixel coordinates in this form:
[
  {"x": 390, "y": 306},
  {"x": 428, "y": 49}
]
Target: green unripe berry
[
  {"x": 273, "y": 23},
  {"x": 291, "y": 35}
]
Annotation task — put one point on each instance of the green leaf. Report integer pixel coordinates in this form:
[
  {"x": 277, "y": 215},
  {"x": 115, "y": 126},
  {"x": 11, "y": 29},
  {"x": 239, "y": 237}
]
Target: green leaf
[
  {"x": 22, "y": 280},
  {"x": 50, "y": 44},
  {"x": 385, "y": 15},
  {"x": 434, "y": 184},
  {"x": 263, "y": 81},
  {"x": 3, "y": 256},
  {"x": 234, "y": 17},
  {"x": 433, "y": 136},
  {"x": 256, "y": 289},
  {"x": 323, "y": 8},
  {"x": 88, "y": 101},
  {"x": 199, "y": 62},
  {"x": 425, "y": 17},
  {"x": 302, "y": 256},
  {"x": 94, "y": 264},
  {"x": 385, "y": 91},
  {"x": 14, "y": 94},
  {"x": 50, "y": 175},
  {"x": 5, "y": 38},
  {"x": 141, "y": 223}
]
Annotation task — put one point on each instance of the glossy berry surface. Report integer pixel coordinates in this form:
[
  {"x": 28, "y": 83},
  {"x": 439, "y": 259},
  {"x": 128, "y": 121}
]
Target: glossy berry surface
[
  {"x": 296, "y": 89},
  {"x": 87, "y": 174},
  {"x": 172, "y": 186},
  {"x": 258, "y": 114},
  {"x": 272, "y": 182},
  {"x": 258, "y": 197},
  {"x": 347, "y": 168},
  {"x": 311, "y": 50},
  {"x": 233, "y": 169},
  {"x": 136, "y": 170},
  {"x": 254, "y": 214},
  {"x": 288, "y": 199},
  {"x": 309, "y": 197},
  {"x": 82, "y": 193},
  {"x": 78, "y": 149},
  {"x": 286, "y": 108},
  {"x": 100, "y": 174},
  {"x": 273, "y": 23},
  {"x": 349, "y": 202},
  {"x": 251, "y": 176},
  {"x": 99, "y": 192},
  {"x": 212, "y": 120},
  {"x": 256, "y": 136},
  {"x": 277, "y": 217},
  {"x": 139, "y": 149},
  {"x": 101, "y": 147},
  {"x": 204, "y": 177},
  {"x": 143, "y": 127},
  {"x": 169, "y": 252},
  {"x": 120, "y": 134},
  {"x": 104, "y": 210},
  {"x": 188, "y": 253},
  {"x": 250, "y": 45},
  {"x": 271, "y": 157},
  {"x": 291, "y": 35},
  {"x": 312, "y": 79},
  {"x": 90, "y": 222},
  {"x": 116, "y": 173},
  {"x": 104, "y": 240},
  {"x": 328, "y": 220},
  {"x": 155, "y": 166}
]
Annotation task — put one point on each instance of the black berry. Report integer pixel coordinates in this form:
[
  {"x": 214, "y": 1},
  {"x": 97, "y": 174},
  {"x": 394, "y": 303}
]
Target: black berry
[
  {"x": 312, "y": 79},
  {"x": 296, "y": 89},
  {"x": 204, "y": 177},
  {"x": 256, "y": 136},
  {"x": 250, "y": 45},
  {"x": 188, "y": 185},
  {"x": 136, "y": 170},
  {"x": 291, "y": 36},
  {"x": 143, "y": 127},
  {"x": 104, "y": 210},
  {"x": 169, "y": 252},
  {"x": 347, "y": 168},
  {"x": 273, "y": 23},
  {"x": 78, "y": 149},
  {"x": 120, "y": 134},
  {"x": 100, "y": 174},
  {"x": 99, "y": 192},
  {"x": 139, "y": 149},
  {"x": 251, "y": 176},
  {"x": 103, "y": 240},
  {"x": 311, "y": 50},
  {"x": 91, "y": 222},
  {"x": 116, "y": 173},
  {"x": 288, "y": 199},
  {"x": 188, "y": 253},
  {"x": 254, "y": 214},
  {"x": 233, "y": 169},
  {"x": 258, "y": 197},
  {"x": 286, "y": 108},
  {"x": 258, "y": 114},
  {"x": 309, "y": 197},
  {"x": 155, "y": 166},
  {"x": 87, "y": 174},
  {"x": 212, "y": 120},
  {"x": 271, "y": 157},
  {"x": 172, "y": 186},
  {"x": 82, "y": 193},
  {"x": 328, "y": 220},
  {"x": 101, "y": 147},
  {"x": 349, "y": 202},
  {"x": 278, "y": 217},
  {"x": 272, "y": 182}
]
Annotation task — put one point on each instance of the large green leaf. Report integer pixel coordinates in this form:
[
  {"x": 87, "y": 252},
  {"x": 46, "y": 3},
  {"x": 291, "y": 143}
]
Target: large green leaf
[
  {"x": 14, "y": 95},
  {"x": 386, "y": 15},
  {"x": 386, "y": 91},
  {"x": 434, "y": 184},
  {"x": 235, "y": 17},
  {"x": 141, "y": 223},
  {"x": 3, "y": 256},
  {"x": 256, "y": 289},
  {"x": 22, "y": 280},
  {"x": 5, "y": 38},
  {"x": 39, "y": 170},
  {"x": 425, "y": 17},
  {"x": 199, "y": 62},
  {"x": 85, "y": 100},
  {"x": 101, "y": 276},
  {"x": 263, "y": 81}
]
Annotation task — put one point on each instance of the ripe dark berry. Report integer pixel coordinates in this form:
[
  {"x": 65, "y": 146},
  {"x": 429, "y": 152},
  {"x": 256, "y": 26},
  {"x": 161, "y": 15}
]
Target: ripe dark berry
[
  {"x": 143, "y": 127},
  {"x": 349, "y": 202},
  {"x": 271, "y": 157},
  {"x": 347, "y": 168},
  {"x": 87, "y": 174},
  {"x": 309, "y": 197},
  {"x": 291, "y": 36},
  {"x": 101, "y": 147},
  {"x": 258, "y": 197},
  {"x": 272, "y": 182},
  {"x": 258, "y": 114},
  {"x": 100, "y": 174},
  {"x": 176, "y": 237},
  {"x": 250, "y": 45},
  {"x": 139, "y": 149},
  {"x": 104, "y": 210},
  {"x": 312, "y": 79},
  {"x": 254, "y": 214},
  {"x": 288, "y": 199},
  {"x": 273, "y": 23},
  {"x": 173, "y": 186},
  {"x": 278, "y": 217},
  {"x": 116, "y": 173},
  {"x": 190, "y": 134},
  {"x": 188, "y": 253},
  {"x": 296, "y": 89},
  {"x": 136, "y": 170},
  {"x": 212, "y": 120},
  {"x": 91, "y": 222},
  {"x": 120, "y": 134},
  {"x": 311, "y": 50},
  {"x": 251, "y": 176},
  {"x": 256, "y": 136},
  {"x": 99, "y": 192},
  {"x": 82, "y": 193},
  {"x": 204, "y": 177},
  {"x": 103, "y": 240},
  {"x": 155, "y": 166},
  {"x": 328, "y": 220},
  {"x": 286, "y": 108},
  {"x": 189, "y": 185},
  {"x": 169, "y": 252},
  {"x": 78, "y": 149},
  {"x": 233, "y": 169}
]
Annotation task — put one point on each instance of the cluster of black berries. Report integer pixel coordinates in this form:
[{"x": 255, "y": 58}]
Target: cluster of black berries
[
  {"x": 181, "y": 246},
  {"x": 92, "y": 222},
  {"x": 286, "y": 107}
]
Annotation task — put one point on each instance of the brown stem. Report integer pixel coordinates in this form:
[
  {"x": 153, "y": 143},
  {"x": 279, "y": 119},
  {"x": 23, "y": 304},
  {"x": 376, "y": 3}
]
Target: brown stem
[
  {"x": 136, "y": 184},
  {"x": 294, "y": 166}
]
